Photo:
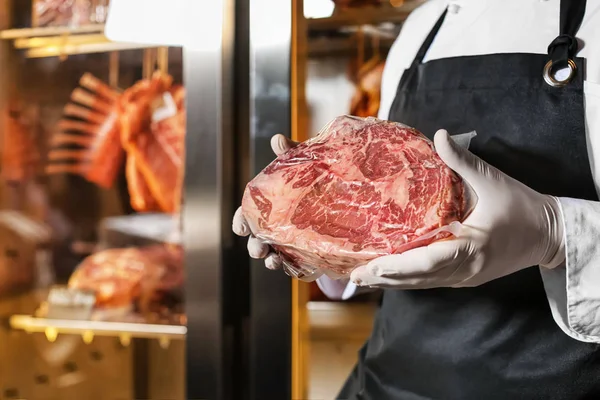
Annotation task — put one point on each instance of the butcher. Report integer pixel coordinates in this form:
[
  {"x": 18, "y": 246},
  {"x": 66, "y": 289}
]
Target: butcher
[{"x": 509, "y": 309}]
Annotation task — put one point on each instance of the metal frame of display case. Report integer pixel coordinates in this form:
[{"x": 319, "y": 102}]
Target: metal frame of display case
[
  {"x": 270, "y": 112},
  {"x": 208, "y": 204},
  {"x": 239, "y": 328}
]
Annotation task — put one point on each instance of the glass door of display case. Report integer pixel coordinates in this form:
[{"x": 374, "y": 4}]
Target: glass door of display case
[
  {"x": 91, "y": 168},
  {"x": 122, "y": 162}
]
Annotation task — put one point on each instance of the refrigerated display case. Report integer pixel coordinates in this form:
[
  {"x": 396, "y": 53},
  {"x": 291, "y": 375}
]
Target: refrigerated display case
[
  {"x": 88, "y": 315},
  {"x": 62, "y": 206}
]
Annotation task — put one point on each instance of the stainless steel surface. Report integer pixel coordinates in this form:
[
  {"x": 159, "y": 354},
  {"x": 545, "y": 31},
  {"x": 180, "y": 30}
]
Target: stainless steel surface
[
  {"x": 270, "y": 88},
  {"x": 238, "y": 312},
  {"x": 208, "y": 202}
]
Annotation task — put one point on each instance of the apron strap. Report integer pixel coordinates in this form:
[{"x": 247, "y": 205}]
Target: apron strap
[
  {"x": 425, "y": 46},
  {"x": 565, "y": 47}
]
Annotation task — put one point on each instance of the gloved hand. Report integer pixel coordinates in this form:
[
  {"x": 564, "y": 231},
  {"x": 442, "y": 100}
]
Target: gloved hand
[
  {"x": 256, "y": 248},
  {"x": 511, "y": 228}
]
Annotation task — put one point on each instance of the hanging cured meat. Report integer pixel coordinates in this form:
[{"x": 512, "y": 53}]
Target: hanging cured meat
[
  {"x": 141, "y": 197},
  {"x": 124, "y": 277},
  {"x": 152, "y": 133},
  {"x": 366, "y": 98},
  {"x": 87, "y": 142},
  {"x": 147, "y": 122},
  {"x": 20, "y": 155}
]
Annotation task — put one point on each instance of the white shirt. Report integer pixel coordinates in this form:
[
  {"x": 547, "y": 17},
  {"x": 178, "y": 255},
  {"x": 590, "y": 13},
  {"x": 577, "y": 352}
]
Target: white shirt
[{"x": 477, "y": 27}]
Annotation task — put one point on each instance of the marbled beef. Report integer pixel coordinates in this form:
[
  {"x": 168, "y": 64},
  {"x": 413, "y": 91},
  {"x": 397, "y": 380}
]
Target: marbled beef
[{"x": 362, "y": 188}]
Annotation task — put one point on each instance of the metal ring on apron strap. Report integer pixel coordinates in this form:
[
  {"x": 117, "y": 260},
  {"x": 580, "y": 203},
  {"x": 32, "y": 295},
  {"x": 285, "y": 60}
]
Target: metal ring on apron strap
[{"x": 552, "y": 81}]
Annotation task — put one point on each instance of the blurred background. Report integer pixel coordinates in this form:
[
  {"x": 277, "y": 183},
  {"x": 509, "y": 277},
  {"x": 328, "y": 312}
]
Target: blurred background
[{"x": 128, "y": 130}]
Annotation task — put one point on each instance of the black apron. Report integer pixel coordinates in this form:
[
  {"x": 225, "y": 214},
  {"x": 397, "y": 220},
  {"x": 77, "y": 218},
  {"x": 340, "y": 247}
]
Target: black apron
[{"x": 499, "y": 340}]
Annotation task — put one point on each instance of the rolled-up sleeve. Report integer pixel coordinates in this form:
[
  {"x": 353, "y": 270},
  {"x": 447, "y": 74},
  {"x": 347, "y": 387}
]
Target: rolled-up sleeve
[{"x": 573, "y": 289}]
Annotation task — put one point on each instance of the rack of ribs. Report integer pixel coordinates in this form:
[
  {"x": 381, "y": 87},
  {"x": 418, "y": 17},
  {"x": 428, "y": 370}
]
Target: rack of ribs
[{"x": 87, "y": 142}]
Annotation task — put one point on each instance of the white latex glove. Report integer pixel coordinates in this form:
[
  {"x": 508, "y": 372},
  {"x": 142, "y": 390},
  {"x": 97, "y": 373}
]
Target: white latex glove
[
  {"x": 511, "y": 228},
  {"x": 256, "y": 247}
]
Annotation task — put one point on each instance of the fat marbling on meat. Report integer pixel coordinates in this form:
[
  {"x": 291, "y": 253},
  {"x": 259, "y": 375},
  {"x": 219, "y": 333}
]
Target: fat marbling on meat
[{"x": 362, "y": 188}]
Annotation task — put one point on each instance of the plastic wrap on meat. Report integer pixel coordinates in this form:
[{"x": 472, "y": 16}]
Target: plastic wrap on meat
[
  {"x": 362, "y": 188},
  {"x": 123, "y": 277}
]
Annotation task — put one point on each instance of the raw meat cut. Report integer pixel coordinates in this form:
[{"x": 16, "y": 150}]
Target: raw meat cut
[
  {"x": 146, "y": 122},
  {"x": 87, "y": 142},
  {"x": 152, "y": 133},
  {"x": 362, "y": 188},
  {"x": 119, "y": 277},
  {"x": 141, "y": 197}
]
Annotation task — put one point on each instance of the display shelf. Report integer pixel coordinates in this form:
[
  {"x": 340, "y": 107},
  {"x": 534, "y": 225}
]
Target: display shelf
[
  {"x": 49, "y": 31},
  {"x": 68, "y": 49},
  {"x": 88, "y": 329},
  {"x": 364, "y": 16},
  {"x": 65, "y": 41}
]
